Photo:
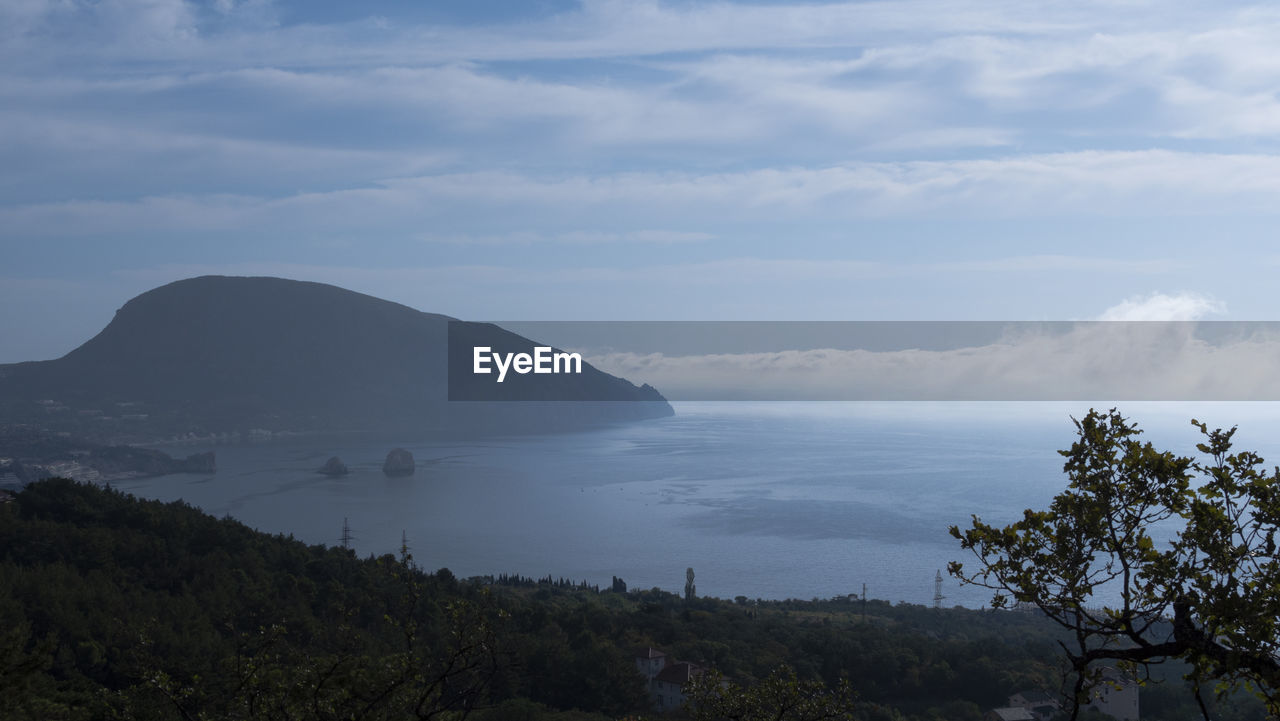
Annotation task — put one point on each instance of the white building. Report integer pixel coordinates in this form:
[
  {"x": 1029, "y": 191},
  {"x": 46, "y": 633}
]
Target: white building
[
  {"x": 650, "y": 661},
  {"x": 668, "y": 687},
  {"x": 666, "y": 677},
  {"x": 1041, "y": 705}
]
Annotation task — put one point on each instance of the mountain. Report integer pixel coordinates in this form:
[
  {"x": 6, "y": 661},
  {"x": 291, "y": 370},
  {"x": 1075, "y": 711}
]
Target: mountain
[{"x": 224, "y": 354}]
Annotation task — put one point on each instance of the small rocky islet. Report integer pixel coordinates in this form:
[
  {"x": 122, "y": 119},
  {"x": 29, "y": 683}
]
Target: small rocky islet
[{"x": 399, "y": 462}]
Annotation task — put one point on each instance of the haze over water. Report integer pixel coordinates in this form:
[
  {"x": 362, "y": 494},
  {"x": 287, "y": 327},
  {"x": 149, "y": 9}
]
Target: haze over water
[{"x": 769, "y": 500}]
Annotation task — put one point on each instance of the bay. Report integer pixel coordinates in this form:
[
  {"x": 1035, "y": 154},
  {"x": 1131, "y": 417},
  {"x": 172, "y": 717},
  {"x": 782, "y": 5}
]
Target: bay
[{"x": 763, "y": 500}]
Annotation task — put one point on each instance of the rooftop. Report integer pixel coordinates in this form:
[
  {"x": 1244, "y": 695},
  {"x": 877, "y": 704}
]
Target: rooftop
[
  {"x": 680, "y": 673},
  {"x": 1036, "y": 696}
]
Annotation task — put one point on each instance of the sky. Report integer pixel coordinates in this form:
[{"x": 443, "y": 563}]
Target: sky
[{"x": 639, "y": 160}]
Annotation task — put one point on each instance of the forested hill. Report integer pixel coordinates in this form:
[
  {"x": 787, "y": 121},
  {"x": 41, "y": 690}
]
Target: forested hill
[
  {"x": 215, "y": 354},
  {"x": 112, "y": 607}
]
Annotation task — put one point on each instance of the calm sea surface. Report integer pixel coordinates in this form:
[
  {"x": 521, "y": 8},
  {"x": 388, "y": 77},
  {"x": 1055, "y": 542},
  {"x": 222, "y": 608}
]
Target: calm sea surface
[{"x": 770, "y": 500}]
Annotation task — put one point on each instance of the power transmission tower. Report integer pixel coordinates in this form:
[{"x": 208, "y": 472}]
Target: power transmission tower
[
  {"x": 405, "y": 557},
  {"x": 346, "y": 534},
  {"x": 937, "y": 590}
]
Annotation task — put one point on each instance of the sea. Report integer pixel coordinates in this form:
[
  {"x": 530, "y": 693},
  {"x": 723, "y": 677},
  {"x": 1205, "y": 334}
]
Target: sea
[{"x": 762, "y": 500}]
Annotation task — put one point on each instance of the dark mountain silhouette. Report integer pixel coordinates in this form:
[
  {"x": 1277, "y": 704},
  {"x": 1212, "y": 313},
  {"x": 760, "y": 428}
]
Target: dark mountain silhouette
[{"x": 216, "y": 354}]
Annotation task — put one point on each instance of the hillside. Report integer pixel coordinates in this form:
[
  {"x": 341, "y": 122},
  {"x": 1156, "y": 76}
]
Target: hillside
[
  {"x": 114, "y": 607},
  {"x": 217, "y": 354}
]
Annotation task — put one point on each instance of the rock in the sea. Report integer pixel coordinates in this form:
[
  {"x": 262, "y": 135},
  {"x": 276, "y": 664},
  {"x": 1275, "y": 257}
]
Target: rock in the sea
[
  {"x": 399, "y": 463},
  {"x": 334, "y": 467}
]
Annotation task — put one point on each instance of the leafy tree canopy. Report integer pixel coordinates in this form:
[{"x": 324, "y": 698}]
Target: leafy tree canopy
[
  {"x": 781, "y": 696},
  {"x": 1209, "y": 596}
]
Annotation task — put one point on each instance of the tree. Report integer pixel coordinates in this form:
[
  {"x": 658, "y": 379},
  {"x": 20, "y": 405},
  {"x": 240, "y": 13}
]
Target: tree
[
  {"x": 1210, "y": 596},
  {"x": 779, "y": 697},
  {"x": 446, "y": 655}
]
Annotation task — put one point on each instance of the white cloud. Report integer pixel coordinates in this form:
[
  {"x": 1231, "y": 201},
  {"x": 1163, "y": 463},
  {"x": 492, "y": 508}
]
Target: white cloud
[
  {"x": 1021, "y": 54},
  {"x": 1091, "y": 182},
  {"x": 736, "y": 280},
  {"x": 576, "y": 237},
  {"x": 147, "y": 21},
  {"x": 736, "y": 86},
  {"x": 20, "y": 17},
  {"x": 1162, "y": 307},
  {"x": 111, "y": 150},
  {"x": 658, "y": 131},
  {"x": 934, "y": 139},
  {"x": 1105, "y": 184},
  {"x": 1058, "y": 264}
]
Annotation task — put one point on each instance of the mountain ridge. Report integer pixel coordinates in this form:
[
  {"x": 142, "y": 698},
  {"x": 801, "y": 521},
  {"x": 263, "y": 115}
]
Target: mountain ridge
[{"x": 220, "y": 353}]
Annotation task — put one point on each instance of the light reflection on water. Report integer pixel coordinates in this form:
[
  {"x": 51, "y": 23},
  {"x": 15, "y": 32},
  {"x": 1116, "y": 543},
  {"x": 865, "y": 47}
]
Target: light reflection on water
[{"x": 763, "y": 500}]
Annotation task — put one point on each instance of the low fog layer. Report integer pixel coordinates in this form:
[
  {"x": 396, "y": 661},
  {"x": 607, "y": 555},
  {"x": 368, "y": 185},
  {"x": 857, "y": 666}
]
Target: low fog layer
[{"x": 1027, "y": 361}]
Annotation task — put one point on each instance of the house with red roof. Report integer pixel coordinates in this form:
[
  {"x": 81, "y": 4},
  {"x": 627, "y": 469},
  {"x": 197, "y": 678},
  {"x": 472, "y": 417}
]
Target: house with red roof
[{"x": 667, "y": 677}]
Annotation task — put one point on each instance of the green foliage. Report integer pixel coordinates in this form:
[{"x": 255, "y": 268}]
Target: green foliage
[
  {"x": 140, "y": 610},
  {"x": 112, "y": 607},
  {"x": 1210, "y": 597},
  {"x": 780, "y": 696}
]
